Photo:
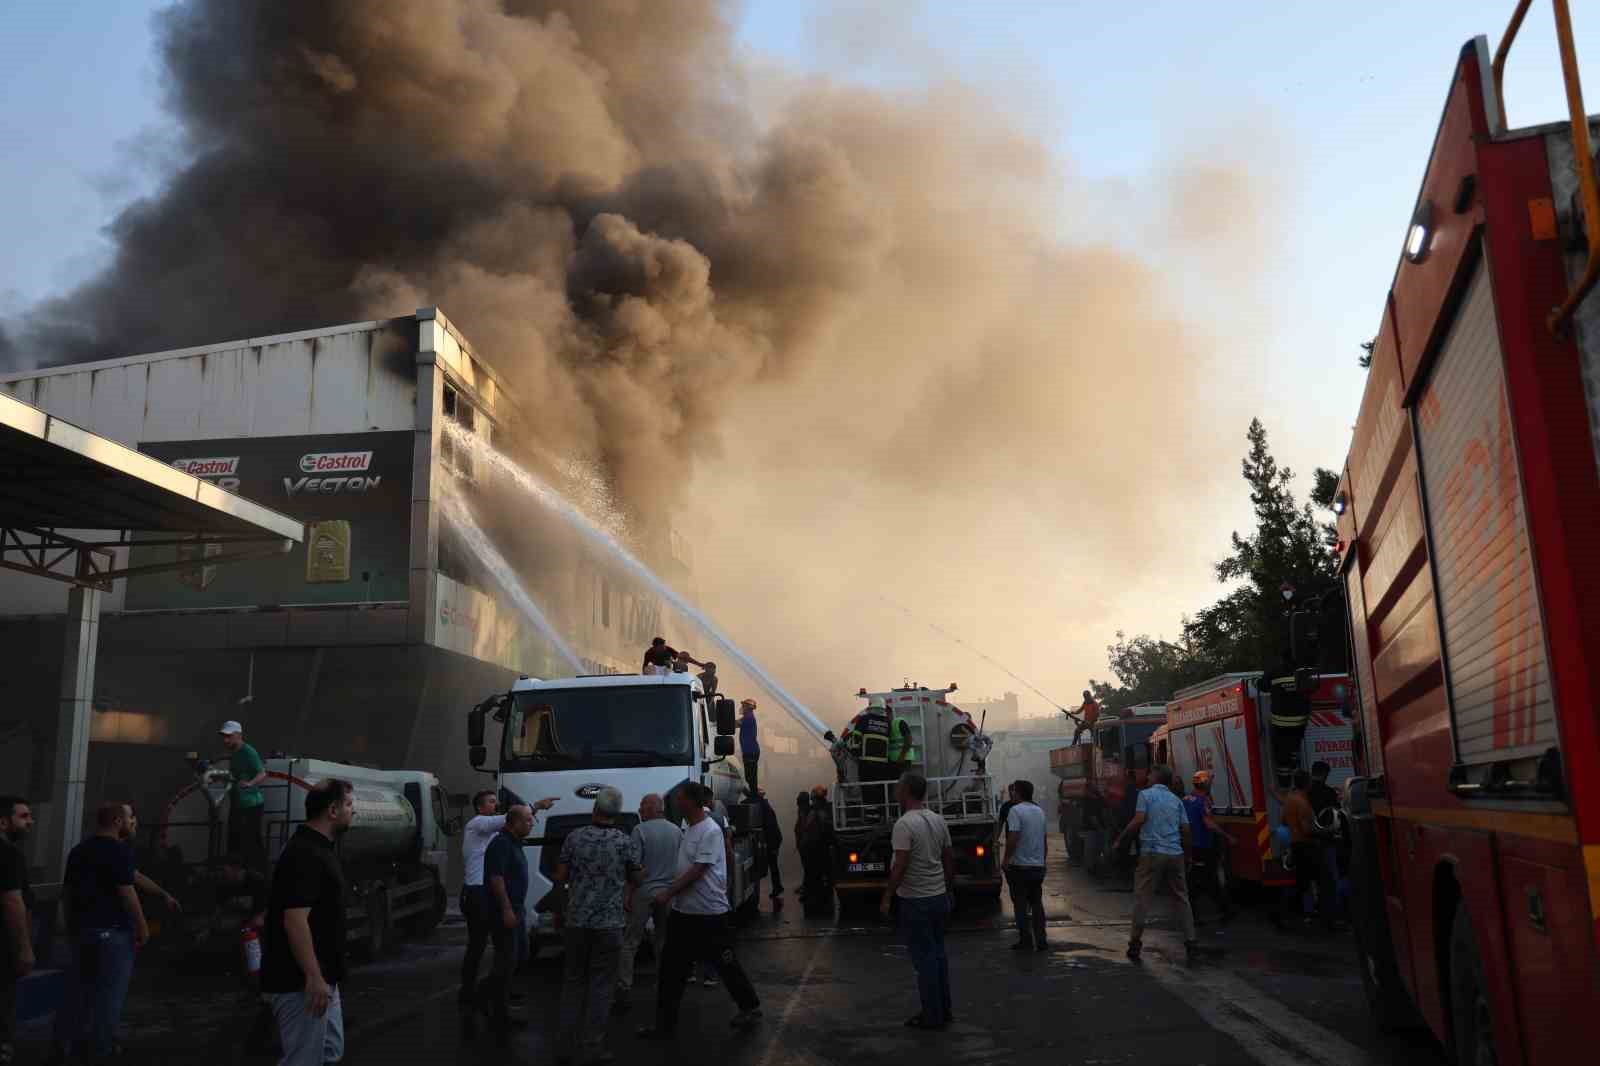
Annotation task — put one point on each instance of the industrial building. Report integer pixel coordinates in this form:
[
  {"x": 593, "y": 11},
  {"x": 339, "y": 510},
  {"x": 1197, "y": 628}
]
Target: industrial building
[{"x": 368, "y": 642}]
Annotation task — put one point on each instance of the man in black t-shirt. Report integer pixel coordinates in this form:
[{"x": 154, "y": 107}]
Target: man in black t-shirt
[
  {"x": 106, "y": 923},
  {"x": 16, "y": 910},
  {"x": 302, "y": 959}
]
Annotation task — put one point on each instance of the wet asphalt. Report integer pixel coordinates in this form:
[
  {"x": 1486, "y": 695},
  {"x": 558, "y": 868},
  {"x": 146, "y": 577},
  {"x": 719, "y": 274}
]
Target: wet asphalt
[{"x": 837, "y": 989}]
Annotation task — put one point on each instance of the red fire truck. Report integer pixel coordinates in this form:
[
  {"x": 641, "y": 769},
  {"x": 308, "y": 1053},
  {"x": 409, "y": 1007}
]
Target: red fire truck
[
  {"x": 1224, "y": 726},
  {"x": 1470, "y": 556}
]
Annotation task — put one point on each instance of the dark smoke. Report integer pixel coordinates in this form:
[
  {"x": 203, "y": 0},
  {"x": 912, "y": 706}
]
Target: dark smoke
[{"x": 847, "y": 310}]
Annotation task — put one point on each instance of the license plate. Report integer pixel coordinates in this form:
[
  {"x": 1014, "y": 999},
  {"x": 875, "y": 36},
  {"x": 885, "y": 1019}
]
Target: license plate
[{"x": 866, "y": 867}]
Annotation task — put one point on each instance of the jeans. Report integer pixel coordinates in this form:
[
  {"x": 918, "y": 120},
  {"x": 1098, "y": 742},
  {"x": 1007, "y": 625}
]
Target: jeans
[
  {"x": 96, "y": 986},
  {"x": 1204, "y": 882},
  {"x": 309, "y": 1041},
  {"x": 1154, "y": 872},
  {"x": 644, "y": 909},
  {"x": 1309, "y": 870},
  {"x": 510, "y": 952},
  {"x": 922, "y": 923},
  {"x": 475, "y": 909},
  {"x": 1027, "y": 902},
  {"x": 705, "y": 938},
  {"x": 589, "y": 974}
]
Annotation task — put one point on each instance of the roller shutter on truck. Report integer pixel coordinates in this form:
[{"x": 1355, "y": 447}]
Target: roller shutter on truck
[{"x": 1488, "y": 601}]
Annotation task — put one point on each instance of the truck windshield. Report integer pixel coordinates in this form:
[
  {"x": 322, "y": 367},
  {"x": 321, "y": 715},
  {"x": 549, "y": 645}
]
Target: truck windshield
[{"x": 590, "y": 728}]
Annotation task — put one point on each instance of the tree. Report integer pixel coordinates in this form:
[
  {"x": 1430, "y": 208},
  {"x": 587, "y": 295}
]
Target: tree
[{"x": 1247, "y": 629}]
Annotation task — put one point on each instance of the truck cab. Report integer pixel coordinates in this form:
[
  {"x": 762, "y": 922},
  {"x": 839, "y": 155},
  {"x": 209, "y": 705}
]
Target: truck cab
[
  {"x": 570, "y": 737},
  {"x": 1094, "y": 772}
]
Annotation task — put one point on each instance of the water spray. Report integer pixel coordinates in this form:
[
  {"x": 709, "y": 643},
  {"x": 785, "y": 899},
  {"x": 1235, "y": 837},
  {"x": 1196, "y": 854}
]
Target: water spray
[
  {"x": 454, "y": 510},
  {"x": 597, "y": 535},
  {"x": 946, "y": 634}
]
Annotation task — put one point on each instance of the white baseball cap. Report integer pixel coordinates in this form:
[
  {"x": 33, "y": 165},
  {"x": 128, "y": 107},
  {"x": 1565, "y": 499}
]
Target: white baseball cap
[{"x": 231, "y": 729}]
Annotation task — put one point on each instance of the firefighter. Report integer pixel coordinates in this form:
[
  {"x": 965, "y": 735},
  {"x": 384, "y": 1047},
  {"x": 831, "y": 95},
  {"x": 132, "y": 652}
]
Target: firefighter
[
  {"x": 1087, "y": 715},
  {"x": 874, "y": 726}
]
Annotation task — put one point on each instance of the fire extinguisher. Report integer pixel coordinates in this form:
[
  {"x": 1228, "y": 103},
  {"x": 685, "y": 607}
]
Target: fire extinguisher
[{"x": 250, "y": 944}]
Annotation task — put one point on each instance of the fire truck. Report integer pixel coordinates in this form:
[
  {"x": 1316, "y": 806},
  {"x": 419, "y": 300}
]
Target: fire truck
[
  {"x": 1224, "y": 726},
  {"x": 1094, "y": 775},
  {"x": 1468, "y": 550}
]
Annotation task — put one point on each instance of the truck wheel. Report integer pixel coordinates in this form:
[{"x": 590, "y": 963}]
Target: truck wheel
[{"x": 1471, "y": 1026}]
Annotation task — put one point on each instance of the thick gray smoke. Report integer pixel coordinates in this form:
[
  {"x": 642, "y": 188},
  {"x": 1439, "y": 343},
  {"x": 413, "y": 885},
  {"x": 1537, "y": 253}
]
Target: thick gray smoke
[{"x": 845, "y": 319}]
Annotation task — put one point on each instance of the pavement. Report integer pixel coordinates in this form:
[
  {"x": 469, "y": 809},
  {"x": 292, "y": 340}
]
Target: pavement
[{"x": 836, "y": 990}]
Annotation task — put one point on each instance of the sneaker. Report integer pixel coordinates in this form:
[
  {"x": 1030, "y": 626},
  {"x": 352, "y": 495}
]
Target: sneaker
[
  {"x": 746, "y": 1019},
  {"x": 709, "y": 982}
]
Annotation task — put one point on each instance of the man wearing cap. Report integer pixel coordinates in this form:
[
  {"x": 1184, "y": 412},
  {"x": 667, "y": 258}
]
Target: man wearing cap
[
  {"x": 749, "y": 748},
  {"x": 244, "y": 824},
  {"x": 1206, "y": 836}
]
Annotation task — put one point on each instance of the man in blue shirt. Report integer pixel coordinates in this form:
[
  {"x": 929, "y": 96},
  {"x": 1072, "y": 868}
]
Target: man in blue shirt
[
  {"x": 1210, "y": 857},
  {"x": 505, "y": 876},
  {"x": 749, "y": 749},
  {"x": 1164, "y": 852}
]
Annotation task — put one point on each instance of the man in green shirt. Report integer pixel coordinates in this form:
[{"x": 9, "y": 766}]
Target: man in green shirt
[{"x": 244, "y": 823}]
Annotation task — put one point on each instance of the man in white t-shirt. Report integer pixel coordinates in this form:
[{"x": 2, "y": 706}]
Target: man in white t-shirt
[
  {"x": 923, "y": 878},
  {"x": 698, "y": 929},
  {"x": 475, "y": 837},
  {"x": 1027, "y": 844}
]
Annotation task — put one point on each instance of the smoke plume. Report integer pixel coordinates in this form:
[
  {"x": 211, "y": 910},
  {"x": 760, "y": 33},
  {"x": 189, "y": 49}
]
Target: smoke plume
[{"x": 861, "y": 344}]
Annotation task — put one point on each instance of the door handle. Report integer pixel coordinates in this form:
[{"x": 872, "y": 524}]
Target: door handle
[{"x": 1536, "y": 909}]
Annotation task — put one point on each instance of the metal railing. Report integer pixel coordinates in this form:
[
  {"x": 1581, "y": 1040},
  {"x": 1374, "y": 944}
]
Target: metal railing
[
  {"x": 960, "y": 800},
  {"x": 1583, "y": 157}
]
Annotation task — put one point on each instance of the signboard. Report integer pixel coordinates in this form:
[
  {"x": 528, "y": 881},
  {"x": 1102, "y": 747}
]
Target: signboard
[{"x": 352, "y": 489}]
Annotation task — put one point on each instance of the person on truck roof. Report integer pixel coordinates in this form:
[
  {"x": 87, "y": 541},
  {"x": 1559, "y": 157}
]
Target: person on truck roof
[
  {"x": 1088, "y": 714},
  {"x": 659, "y": 657},
  {"x": 244, "y": 821}
]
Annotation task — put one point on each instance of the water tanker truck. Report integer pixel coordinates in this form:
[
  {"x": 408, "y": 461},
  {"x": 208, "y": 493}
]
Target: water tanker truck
[
  {"x": 394, "y": 854},
  {"x": 911, "y": 728}
]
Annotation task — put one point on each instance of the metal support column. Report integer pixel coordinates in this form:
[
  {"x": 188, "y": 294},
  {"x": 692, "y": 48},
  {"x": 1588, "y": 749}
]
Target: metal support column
[{"x": 81, "y": 639}]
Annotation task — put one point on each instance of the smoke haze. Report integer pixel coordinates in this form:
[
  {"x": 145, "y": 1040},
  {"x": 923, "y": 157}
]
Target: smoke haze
[{"x": 859, "y": 343}]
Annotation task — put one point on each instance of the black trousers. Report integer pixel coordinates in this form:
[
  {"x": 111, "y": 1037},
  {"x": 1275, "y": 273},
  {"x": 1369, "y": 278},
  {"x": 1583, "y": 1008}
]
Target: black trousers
[
  {"x": 752, "y": 764},
  {"x": 1027, "y": 901},
  {"x": 474, "y": 908},
  {"x": 772, "y": 866},
  {"x": 1203, "y": 880},
  {"x": 244, "y": 837},
  {"x": 704, "y": 938},
  {"x": 1308, "y": 871}
]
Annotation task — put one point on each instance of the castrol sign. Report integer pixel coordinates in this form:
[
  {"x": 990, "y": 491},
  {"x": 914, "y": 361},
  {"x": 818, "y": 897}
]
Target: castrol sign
[{"x": 335, "y": 462}]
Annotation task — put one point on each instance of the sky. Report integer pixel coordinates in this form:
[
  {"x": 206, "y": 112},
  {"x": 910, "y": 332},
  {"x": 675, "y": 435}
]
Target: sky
[{"x": 1332, "y": 111}]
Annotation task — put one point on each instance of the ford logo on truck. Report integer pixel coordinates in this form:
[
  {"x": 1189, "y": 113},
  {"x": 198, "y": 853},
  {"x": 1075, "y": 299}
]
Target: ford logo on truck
[{"x": 588, "y": 792}]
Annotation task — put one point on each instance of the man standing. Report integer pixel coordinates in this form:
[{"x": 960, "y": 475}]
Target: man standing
[
  {"x": 698, "y": 929},
  {"x": 923, "y": 877},
  {"x": 708, "y": 678},
  {"x": 749, "y": 748},
  {"x": 1027, "y": 845},
  {"x": 1305, "y": 855},
  {"x": 657, "y": 840},
  {"x": 244, "y": 821},
  {"x": 1164, "y": 849},
  {"x": 772, "y": 834},
  {"x": 505, "y": 879},
  {"x": 1206, "y": 835},
  {"x": 16, "y": 921},
  {"x": 106, "y": 923},
  {"x": 1088, "y": 714},
  {"x": 659, "y": 657},
  {"x": 601, "y": 866},
  {"x": 475, "y": 909},
  {"x": 302, "y": 958}
]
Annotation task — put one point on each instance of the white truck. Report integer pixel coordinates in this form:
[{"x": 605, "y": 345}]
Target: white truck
[
  {"x": 394, "y": 854},
  {"x": 572, "y": 736}
]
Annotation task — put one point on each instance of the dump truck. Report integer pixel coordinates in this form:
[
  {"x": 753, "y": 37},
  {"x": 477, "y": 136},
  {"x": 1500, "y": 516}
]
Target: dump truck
[
  {"x": 1094, "y": 776},
  {"x": 939, "y": 741},
  {"x": 394, "y": 855}
]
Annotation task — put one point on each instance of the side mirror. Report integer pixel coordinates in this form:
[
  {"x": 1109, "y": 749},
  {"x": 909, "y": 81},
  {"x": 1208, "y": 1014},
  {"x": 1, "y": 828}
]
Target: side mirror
[
  {"x": 727, "y": 724},
  {"x": 723, "y": 745},
  {"x": 477, "y": 755},
  {"x": 475, "y": 724}
]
